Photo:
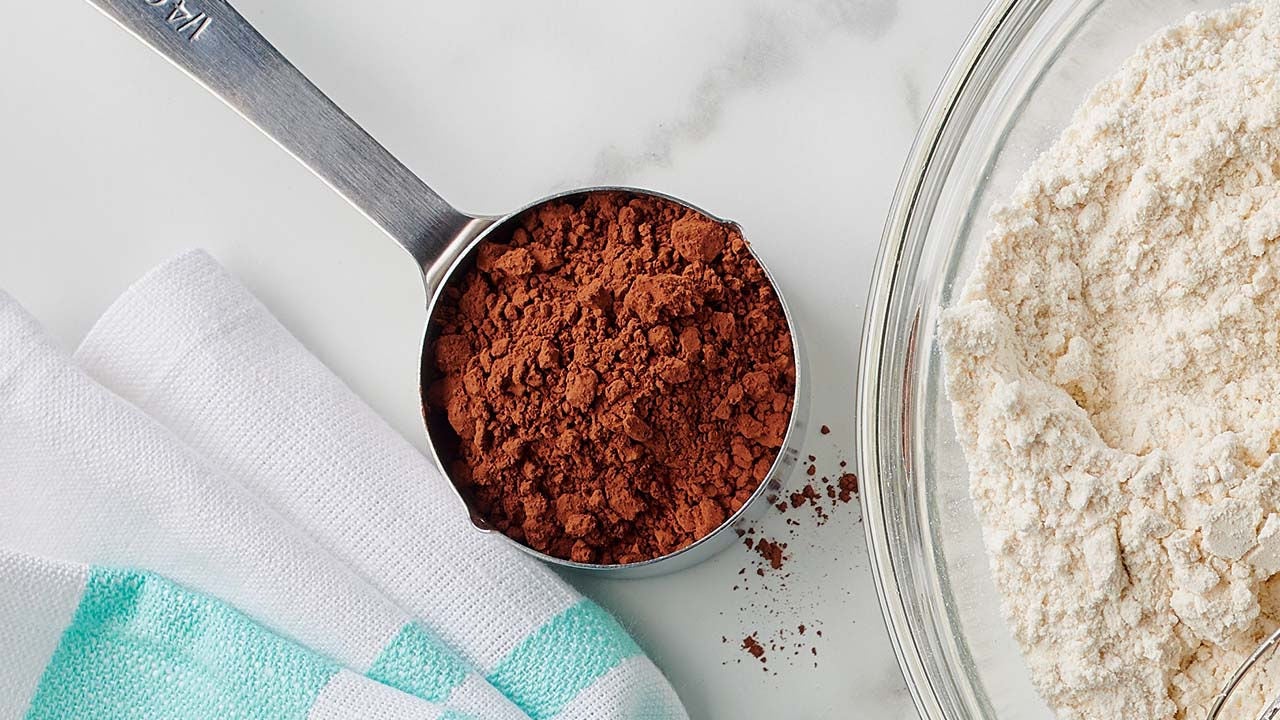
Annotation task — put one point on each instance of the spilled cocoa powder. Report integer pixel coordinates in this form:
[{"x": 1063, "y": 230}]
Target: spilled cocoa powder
[
  {"x": 772, "y": 552},
  {"x": 771, "y": 600},
  {"x": 619, "y": 376}
]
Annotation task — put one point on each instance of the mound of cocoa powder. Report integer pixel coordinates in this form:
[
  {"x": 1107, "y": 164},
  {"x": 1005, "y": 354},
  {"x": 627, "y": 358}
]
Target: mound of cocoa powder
[{"x": 619, "y": 375}]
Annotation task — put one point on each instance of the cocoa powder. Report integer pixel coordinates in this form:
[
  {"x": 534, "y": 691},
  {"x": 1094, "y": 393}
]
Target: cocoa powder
[
  {"x": 772, "y": 552},
  {"x": 619, "y": 375},
  {"x": 771, "y": 600}
]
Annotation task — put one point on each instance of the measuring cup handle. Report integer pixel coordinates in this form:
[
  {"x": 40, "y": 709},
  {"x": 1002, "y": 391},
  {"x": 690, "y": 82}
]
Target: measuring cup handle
[{"x": 214, "y": 44}]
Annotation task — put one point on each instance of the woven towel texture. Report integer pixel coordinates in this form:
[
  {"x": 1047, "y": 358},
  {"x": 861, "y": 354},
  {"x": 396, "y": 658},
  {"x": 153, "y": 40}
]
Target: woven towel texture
[
  {"x": 139, "y": 645},
  {"x": 90, "y": 478},
  {"x": 118, "y": 644}
]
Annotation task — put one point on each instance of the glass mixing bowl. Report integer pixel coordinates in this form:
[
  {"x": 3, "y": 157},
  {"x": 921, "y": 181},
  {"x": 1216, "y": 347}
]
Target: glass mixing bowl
[{"x": 1023, "y": 71}]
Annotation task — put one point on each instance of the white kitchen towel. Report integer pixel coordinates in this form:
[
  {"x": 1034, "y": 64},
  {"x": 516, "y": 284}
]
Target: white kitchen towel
[
  {"x": 84, "y": 642},
  {"x": 87, "y": 477},
  {"x": 194, "y": 348}
]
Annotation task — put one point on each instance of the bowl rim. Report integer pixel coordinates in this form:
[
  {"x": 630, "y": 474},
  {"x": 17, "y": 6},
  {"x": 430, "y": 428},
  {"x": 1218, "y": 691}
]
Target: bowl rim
[{"x": 903, "y": 633}]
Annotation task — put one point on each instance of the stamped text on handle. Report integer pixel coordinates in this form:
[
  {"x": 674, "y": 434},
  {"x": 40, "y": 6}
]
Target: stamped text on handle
[{"x": 189, "y": 23}]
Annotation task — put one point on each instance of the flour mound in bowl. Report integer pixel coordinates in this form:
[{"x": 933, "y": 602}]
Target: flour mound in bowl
[{"x": 1113, "y": 364}]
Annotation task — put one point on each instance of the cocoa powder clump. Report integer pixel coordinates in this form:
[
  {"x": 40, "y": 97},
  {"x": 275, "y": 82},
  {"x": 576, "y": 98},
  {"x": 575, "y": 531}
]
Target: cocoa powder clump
[
  {"x": 772, "y": 552},
  {"x": 618, "y": 374}
]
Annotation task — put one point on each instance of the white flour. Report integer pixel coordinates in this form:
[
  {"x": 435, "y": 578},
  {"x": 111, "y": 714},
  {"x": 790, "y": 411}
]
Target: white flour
[{"x": 1114, "y": 368}]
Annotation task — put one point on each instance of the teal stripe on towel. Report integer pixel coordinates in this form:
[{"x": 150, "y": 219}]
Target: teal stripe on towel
[
  {"x": 561, "y": 658},
  {"x": 141, "y": 647},
  {"x": 420, "y": 664}
]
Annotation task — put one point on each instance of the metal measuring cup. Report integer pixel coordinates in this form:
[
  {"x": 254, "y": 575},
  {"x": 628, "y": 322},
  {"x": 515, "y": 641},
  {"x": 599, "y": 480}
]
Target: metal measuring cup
[{"x": 217, "y": 47}]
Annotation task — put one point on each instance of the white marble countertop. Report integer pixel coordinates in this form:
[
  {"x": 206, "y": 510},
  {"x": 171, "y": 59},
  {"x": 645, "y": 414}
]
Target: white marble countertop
[{"x": 792, "y": 118}]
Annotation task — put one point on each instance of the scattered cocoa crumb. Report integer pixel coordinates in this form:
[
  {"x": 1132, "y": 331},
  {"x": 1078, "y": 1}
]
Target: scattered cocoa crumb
[
  {"x": 848, "y": 487},
  {"x": 772, "y": 552},
  {"x": 824, "y": 492},
  {"x": 826, "y": 430},
  {"x": 807, "y": 494}
]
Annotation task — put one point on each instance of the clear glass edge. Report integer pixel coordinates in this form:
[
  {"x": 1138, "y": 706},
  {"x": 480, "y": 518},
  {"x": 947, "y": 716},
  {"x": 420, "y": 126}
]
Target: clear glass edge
[{"x": 930, "y": 157}]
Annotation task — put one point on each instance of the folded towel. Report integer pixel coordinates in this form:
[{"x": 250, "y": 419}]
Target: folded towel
[
  {"x": 91, "y": 642},
  {"x": 88, "y": 478},
  {"x": 196, "y": 350}
]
